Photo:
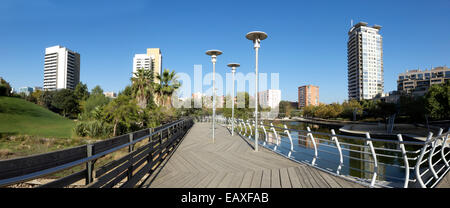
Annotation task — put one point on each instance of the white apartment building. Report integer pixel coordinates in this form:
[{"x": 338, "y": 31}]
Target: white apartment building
[
  {"x": 152, "y": 61},
  {"x": 110, "y": 94},
  {"x": 61, "y": 68},
  {"x": 141, "y": 61},
  {"x": 269, "y": 98},
  {"x": 365, "y": 62}
]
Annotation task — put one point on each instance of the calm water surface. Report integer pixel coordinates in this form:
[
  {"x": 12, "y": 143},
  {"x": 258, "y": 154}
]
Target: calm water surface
[{"x": 328, "y": 157}]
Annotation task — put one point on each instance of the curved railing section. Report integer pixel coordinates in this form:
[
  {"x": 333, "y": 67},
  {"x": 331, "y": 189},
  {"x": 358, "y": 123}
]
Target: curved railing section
[{"x": 366, "y": 160}]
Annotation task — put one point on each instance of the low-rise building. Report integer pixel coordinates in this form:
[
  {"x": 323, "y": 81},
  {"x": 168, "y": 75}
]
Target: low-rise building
[
  {"x": 26, "y": 90},
  {"x": 110, "y": 94},
  {"x": 418, "y": 82},
  {"x": 38, "y": 88}
]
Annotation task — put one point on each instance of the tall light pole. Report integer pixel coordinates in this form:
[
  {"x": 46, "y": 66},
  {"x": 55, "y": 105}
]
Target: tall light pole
[
  {"x": 214, "y": 54},
  {"x": 256, "y": 37},
  {"x": 233, "y": 70}
]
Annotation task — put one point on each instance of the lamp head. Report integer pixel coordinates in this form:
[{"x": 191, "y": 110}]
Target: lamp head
[
  {"x": 213, "y": 54},
  {"x": 233, "y": 66},
  {"x": 255, "y": 35}
]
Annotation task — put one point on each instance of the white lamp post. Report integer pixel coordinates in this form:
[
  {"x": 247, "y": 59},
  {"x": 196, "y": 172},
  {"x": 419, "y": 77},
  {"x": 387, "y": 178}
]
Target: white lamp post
[
  {"x": 214, "y": 54},
  {"x": 256, "y": 37},
  {"x": 233, "y": 70}
]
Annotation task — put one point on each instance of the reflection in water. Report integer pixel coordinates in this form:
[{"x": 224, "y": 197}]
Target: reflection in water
[
  {"x": 360, "y": 164},
  {"x": 306, "y": 141},
  {"x": 271, "y": 139}
]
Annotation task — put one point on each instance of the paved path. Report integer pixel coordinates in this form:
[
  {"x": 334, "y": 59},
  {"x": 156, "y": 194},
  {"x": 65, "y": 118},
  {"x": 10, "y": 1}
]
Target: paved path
[{"x": 231, "y": 163}]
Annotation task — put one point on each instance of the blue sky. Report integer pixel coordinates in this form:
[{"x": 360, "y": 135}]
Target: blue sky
[{"x": 307, "y": 41}]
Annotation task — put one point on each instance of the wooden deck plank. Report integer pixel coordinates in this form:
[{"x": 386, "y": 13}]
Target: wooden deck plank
[
  {"x": 315, "y": 176},
  {"x": 236, "y": 181},
  {"x": 295, "y": 181},
  {"x": 303, "y": 176},
  {"x": 284, "y": 178},
  {"x": 275, "y": 180},
  {"x": 247, "y": 179},
  {"x": 231, "y": 162},
  {"x": 266, "y": 178},
  {"x": 257, "y": 178}
]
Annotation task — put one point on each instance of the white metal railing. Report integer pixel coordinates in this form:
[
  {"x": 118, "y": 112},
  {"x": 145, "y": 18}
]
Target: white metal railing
[{"x": 422, "y": 163}]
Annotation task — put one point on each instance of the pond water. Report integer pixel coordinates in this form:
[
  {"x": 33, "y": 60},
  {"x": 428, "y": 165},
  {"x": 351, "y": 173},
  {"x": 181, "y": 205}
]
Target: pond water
[{"x": 357, "y": 164}]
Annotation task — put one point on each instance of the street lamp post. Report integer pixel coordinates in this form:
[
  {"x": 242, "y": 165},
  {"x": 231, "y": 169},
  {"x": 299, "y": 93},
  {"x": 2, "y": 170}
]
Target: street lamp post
[
  {"x": 256, "y": 37},
  {"x": 233, "y": 70},
  {"x": 214, "y": 54}
]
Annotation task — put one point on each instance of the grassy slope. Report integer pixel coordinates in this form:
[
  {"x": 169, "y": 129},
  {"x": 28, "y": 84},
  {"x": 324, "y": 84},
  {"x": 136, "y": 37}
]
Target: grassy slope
[{"x": 18, "y": 116}]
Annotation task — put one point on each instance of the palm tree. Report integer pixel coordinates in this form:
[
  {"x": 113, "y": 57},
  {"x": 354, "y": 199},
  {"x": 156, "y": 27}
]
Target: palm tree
[
  {"x": 166, "y": 87},
  {"x": 142, "y": 86}
]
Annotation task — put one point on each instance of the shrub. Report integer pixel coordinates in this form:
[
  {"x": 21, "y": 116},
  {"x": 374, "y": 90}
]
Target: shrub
[{"x": 93, "y": 129}]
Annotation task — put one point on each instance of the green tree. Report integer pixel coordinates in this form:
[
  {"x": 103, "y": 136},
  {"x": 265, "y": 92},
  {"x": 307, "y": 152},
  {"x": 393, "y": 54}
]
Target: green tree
[
  {"x": 142, "y": 87},
  {"x": 66, "y": 102},
  {"x": 94, "y": 103},
  {"x": 386, "y": 110},
  {"x": 122, "y": 110},
  {"x": 437, "y": 101},
  {"x": 285, "y": 108},
  {"x": 46, "y": 100},
  {"x": 5, "y": 88},
  {"x": 97, "y": 90},
  {"x": 349, "y": 107},
  {"x": 37, "y": 95},
  {"x": 167, "y": 85},
  {"x": 81, "y": 91}
]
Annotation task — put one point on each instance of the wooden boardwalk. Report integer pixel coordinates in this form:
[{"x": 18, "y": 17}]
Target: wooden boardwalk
[{"x": 232, "y": 163}]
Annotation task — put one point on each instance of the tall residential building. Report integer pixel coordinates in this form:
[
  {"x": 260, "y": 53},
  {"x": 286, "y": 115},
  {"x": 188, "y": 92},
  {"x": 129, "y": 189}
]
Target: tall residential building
[
  {"x": 269, "y": 98},
  {"x": 308, "y": 95},
  {"x": 419, "y": 81},
  {"x": 61, "y": 68},
  {"x": 152, "y": 60},
  {"x": 365, "y": 62}
]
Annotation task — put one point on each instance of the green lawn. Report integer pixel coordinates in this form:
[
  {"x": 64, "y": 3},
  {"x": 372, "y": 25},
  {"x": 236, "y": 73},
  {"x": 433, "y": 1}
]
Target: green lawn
[{"x": 20, "y": 117}]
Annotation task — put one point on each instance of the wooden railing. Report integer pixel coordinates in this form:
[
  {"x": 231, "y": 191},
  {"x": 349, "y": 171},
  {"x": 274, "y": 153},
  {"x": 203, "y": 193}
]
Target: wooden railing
[{"x": 127, "y": 171}]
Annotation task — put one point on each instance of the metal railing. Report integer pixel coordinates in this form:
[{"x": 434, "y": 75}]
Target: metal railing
[
  {"x": 370, "y": 161},
  {"x": 127, "y": 171}
]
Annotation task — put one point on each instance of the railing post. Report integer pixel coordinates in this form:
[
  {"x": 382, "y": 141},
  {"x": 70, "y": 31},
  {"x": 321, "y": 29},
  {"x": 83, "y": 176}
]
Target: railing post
[
  {"x": 374, "y": 156},
  {"x": 276, "y": 136},
  {"x": 341, "y": 158},
  {"x": 240, "y": 127},
  {"x": 405, "y": 159},
  {"x": 150, "y": 140},
  {"x": 444, "y": 142},
  {"x": 430, "y": 157},
  {"x": 130, "y": 149},
  {"x": 290, "y": 139},
  {"x": 89, "y": 165},
  {"x": 245, "y": 126},
  {"x": 168, "y": 133},
  {"x": 130, "y": 139},
  {"x": 417, "y": 167},
  {"x": 250, "y": 128},
  {"x": 311, "y": 136},
  {"x": 265, "y": 133}
]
